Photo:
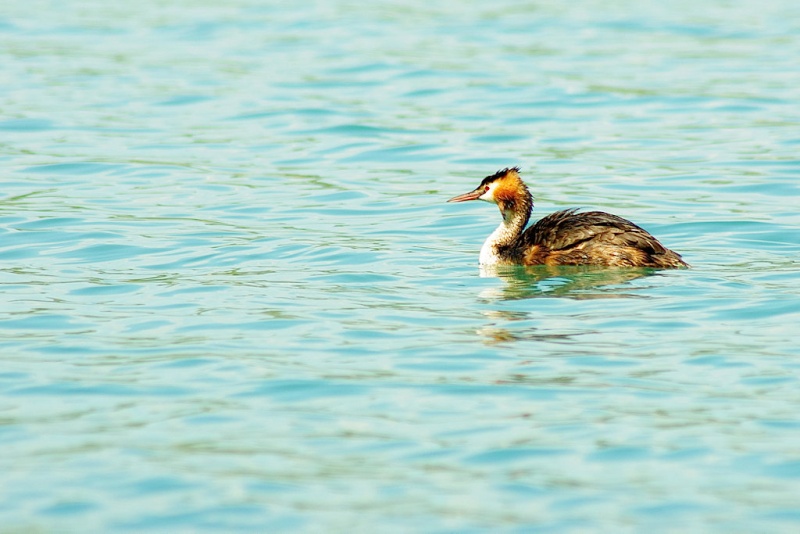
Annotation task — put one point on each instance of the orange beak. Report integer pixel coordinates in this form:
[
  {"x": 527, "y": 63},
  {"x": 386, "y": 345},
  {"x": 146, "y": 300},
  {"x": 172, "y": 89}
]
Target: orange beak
[{"x": 472, "y": 195}]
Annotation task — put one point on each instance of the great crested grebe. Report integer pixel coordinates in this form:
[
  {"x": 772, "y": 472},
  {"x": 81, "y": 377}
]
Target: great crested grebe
[{"x": 562, "y": 238}]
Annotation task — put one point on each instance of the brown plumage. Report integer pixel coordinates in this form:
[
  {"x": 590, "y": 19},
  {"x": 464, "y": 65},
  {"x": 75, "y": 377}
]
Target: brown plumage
[{"x": 566, "y": 237}]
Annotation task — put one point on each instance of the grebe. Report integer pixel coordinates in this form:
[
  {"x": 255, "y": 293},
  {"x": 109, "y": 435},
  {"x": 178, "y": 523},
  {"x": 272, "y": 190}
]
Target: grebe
[{"x": 562, "y": 238}]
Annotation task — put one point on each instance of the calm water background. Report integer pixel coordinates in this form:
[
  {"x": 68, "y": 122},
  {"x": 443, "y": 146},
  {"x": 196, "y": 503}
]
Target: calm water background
[{"x": 233, "y": 297}]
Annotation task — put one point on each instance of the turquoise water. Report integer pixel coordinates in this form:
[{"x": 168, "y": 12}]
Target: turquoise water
[{"x": 234, "y": 298}]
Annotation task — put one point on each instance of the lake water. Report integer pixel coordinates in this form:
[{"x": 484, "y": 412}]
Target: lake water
[{"x": 234, "y": 298}]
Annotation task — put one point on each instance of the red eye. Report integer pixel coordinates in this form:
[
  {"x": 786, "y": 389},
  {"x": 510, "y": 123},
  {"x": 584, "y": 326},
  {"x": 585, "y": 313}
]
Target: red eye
[{"x": 486, "y": 189}]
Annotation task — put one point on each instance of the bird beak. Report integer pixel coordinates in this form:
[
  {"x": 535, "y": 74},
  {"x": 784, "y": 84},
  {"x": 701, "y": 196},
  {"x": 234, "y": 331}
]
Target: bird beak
[{"x": 472, "y": 195}]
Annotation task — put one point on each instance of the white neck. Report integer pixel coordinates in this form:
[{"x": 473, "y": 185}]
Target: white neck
[{"x": 504, "y": 235}]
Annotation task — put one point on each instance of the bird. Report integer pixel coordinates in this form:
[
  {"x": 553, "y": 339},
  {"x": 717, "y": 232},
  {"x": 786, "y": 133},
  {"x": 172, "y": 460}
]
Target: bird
[{"x": 566, "y": 237}]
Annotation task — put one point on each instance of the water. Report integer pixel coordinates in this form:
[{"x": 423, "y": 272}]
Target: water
[{"x": 233, "y": 297}]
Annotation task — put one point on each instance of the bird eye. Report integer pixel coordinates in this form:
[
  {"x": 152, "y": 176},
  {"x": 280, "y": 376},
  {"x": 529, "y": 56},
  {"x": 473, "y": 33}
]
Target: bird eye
[{"x": 486, "y": 189}]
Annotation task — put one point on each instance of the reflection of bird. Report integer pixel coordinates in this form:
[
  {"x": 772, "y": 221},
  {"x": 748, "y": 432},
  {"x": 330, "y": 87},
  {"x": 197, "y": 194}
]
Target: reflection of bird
[
  {"x": 579, "y": 282},
  {"x": 564, "y": 237}
]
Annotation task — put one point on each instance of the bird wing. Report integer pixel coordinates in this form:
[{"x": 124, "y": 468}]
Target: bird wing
[{"x": 567, "y": 229}]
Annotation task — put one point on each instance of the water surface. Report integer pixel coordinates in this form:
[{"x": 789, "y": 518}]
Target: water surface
[{"x": 233, "y": 297}]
